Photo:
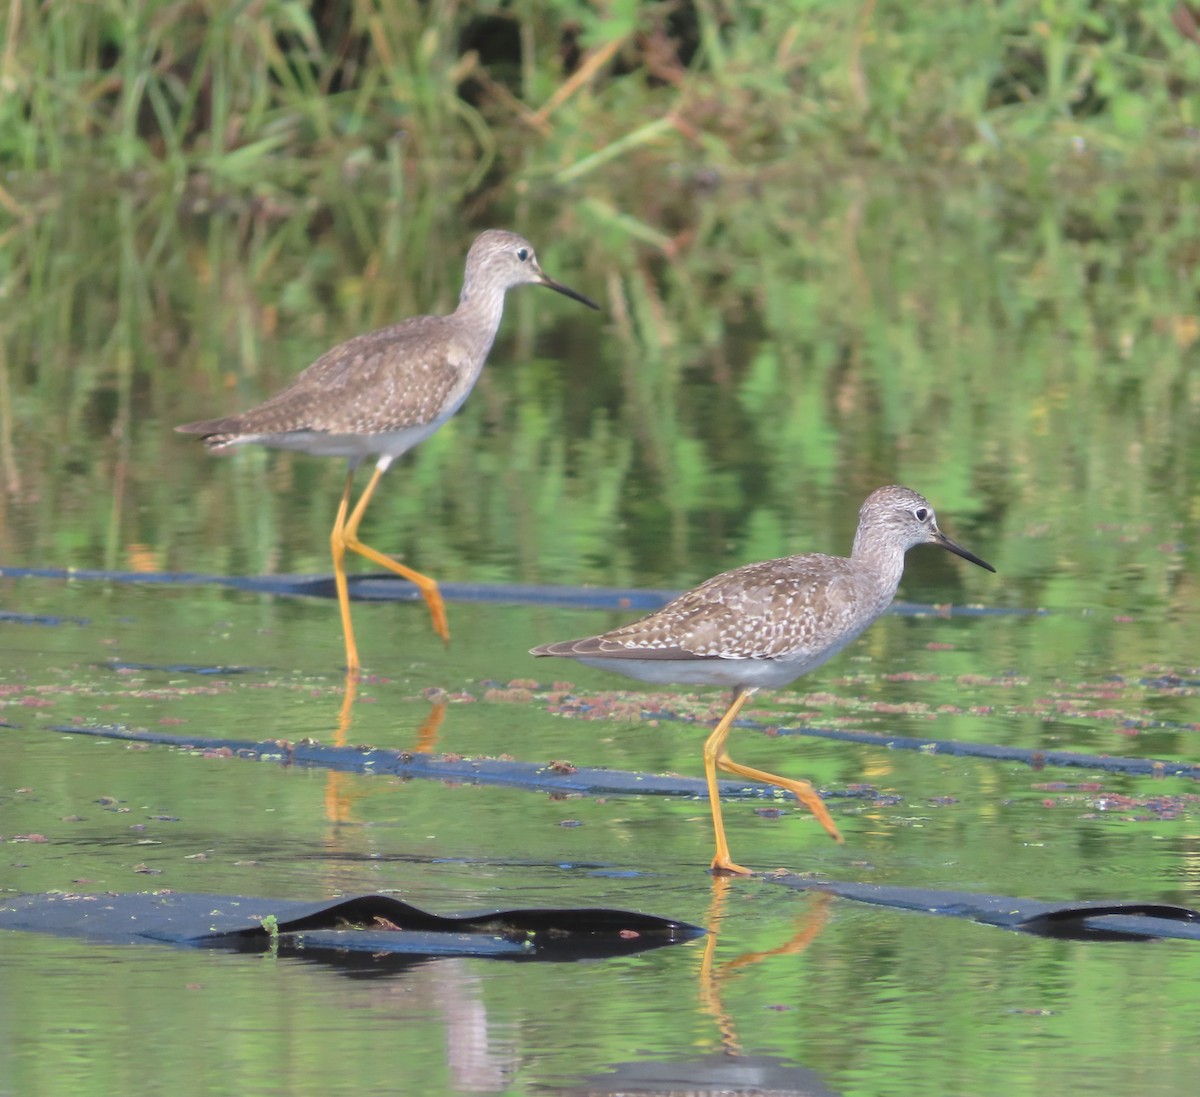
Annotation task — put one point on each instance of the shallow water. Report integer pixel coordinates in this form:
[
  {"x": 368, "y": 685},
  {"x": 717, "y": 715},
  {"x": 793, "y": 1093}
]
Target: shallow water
[{"x": 561, "y": 469}]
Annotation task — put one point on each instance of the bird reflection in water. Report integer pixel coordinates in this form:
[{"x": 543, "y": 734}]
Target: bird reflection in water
[{"x": 343, "y": 789}]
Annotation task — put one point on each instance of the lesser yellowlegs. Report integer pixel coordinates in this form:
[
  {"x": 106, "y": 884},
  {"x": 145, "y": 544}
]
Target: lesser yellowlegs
[
  {"x": 378, "y": 395},
  {"x": 763, "y": 625}
]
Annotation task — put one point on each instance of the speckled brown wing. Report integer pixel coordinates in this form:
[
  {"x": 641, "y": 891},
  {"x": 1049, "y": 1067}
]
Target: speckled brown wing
[
  {"x": 396, "y": 377},
  {"x": 790, "y": 606}
]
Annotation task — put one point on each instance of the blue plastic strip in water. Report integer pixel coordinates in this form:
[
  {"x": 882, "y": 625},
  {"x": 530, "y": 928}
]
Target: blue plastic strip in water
[{"x": 389, "y": 588}]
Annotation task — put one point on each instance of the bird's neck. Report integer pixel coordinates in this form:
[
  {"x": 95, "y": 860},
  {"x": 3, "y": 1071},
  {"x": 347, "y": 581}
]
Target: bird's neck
[
  {"x": 882, "y": 562},
  {"x": 480, "y": 308}
]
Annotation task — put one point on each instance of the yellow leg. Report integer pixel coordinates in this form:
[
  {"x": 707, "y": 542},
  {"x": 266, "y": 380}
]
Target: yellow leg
[
  {"x": 337, "y": 544},
  {"x": 714, "y": 749},
  {"x": 716, "y": 755},
  {"x": 802, "y": 790},
  {"x": 345, "y": 536}
]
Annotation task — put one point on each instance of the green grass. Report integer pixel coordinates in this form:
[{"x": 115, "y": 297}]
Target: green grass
[{"x": 252, "y": 99}]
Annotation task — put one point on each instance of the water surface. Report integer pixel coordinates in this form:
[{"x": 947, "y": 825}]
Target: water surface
[{"x": 1028, "y": 367}]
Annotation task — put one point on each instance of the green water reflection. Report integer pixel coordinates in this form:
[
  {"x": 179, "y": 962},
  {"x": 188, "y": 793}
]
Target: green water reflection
[{"x": 1027, "y": 361}]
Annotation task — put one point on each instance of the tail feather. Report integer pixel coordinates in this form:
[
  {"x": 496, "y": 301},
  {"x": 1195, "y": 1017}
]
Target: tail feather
[{"x": 214, "y": 433}]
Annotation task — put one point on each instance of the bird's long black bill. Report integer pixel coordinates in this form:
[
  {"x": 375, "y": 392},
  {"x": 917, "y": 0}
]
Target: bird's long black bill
[
  {"x": 566, "y": 291},
  {"x": 941, "y": 539}
]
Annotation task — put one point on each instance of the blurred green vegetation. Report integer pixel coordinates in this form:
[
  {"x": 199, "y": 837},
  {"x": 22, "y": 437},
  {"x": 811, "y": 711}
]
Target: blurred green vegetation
[{"x": 837, "y": 245}]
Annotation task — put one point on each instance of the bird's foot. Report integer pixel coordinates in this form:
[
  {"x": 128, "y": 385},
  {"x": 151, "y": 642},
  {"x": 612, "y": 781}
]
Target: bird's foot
[{"x": 723, "y": 866}]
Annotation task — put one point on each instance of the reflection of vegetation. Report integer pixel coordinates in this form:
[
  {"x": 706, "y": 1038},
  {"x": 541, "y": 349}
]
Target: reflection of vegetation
[
  {"x": 785, "y": 332},
  {"x": 1021, "y": 360}
]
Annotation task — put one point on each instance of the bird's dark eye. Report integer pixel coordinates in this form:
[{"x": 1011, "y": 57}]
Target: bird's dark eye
[
  {"x": 522, "y": 254},
  {"x": 921, "y": 513}
]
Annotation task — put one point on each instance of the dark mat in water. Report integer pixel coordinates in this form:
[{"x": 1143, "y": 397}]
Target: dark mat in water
[
  {"x": 541, "y": 776},
  {"x": 724, "y": 1074},
  {"x": 377, "y": 925},
  {"x": 384, "y": 587},
  {"x": 563, "y": 777},
  {"x": 1037, "y": 759},
  {"x": 1100, "y": 920}
]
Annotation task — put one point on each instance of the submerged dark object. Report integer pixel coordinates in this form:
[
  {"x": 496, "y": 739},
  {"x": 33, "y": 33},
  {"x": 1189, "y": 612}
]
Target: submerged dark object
[
  {"x": 7, "y": 617},
  {"x": 548, "y": 776},
  {"x": 377, "y": 587},
  {"x": 725, "y": 1074},
  {"x": 1037, "y": 758},
  {"x": 1088, "y": 920},
  {"x": 370, "y": 926}
]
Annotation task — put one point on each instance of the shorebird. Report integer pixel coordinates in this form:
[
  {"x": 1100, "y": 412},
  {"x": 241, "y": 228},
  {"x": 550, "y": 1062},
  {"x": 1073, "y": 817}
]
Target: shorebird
[
  {"x": 378, "y": 395},
  {"x": 763, "y": 625}
]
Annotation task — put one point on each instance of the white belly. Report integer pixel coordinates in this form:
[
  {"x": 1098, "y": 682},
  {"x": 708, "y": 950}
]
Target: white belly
[
  {"x": 356, "y": 447},
  {"x": 734, "y": 673}
]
